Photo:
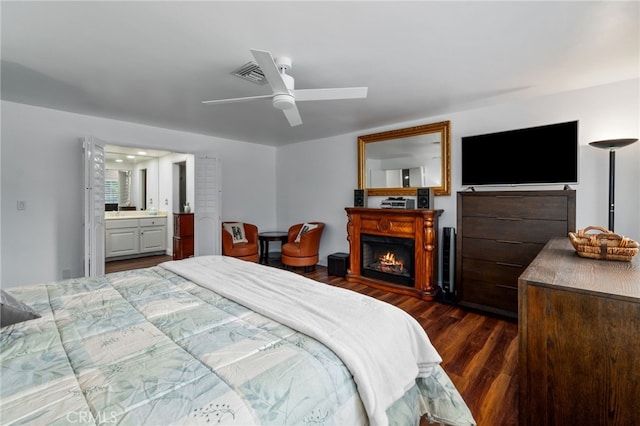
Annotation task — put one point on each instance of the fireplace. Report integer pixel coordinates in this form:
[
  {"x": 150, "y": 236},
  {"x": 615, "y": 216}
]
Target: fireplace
[
  {"x": 394, "y": 250},
  {"x": 387, "y": 258}
]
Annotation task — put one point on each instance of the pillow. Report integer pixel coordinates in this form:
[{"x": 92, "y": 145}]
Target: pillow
[
  {"x": 236, "y": 229},
  {"x": 305, "y": 228},
  {"x": 13, "y": 311}
]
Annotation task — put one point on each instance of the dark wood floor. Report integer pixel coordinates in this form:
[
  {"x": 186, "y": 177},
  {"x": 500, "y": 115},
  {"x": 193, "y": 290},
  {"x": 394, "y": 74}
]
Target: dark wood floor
[
  {"x": 140, "y": 262},
  {"x": 479, "y": 353}
]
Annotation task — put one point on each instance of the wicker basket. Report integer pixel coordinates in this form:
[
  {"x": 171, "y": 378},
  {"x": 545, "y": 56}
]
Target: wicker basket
[{"x": 605, "y": 245}]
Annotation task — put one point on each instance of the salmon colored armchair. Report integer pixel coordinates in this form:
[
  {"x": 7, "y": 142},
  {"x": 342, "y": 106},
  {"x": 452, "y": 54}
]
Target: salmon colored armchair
[
  {"x": 242, "y": 250},
  {"x": 305, "y": 251}
]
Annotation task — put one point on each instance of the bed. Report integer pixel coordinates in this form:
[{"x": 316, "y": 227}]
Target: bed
[{"x": 216, "y": 340}]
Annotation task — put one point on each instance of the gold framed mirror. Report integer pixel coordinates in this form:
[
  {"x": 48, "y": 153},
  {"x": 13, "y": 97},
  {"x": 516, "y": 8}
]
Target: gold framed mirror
[{"x": 397, "y": 162}]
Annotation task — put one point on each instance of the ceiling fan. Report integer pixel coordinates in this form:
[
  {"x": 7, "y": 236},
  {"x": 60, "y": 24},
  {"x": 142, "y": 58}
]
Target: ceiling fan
[{"x": 285, "y": 96}]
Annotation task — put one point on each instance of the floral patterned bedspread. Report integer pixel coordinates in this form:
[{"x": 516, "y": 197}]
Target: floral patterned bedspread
[{"x": 147, "y": 347}]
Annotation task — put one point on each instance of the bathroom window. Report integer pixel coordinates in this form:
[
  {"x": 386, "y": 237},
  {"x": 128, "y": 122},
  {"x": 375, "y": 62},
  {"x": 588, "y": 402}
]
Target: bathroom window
[
  {"x": 117, "y": 187},
  {"x": 111, "y": 191}
]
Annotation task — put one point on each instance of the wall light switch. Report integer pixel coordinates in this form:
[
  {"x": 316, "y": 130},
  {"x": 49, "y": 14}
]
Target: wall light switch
[{"x": 22, "y": 205}]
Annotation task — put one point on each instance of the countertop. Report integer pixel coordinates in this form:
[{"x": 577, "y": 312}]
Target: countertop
[{"x": 133, "y": 215}]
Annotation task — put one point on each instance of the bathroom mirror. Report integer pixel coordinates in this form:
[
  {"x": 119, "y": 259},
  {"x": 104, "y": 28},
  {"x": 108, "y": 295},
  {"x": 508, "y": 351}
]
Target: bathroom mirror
[
  {"x": 397, "y": 162},
  {"x": 131, "y": 179}
]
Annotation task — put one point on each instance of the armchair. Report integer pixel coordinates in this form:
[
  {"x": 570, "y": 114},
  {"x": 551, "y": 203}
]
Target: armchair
[
  {"x": 302, "y": 251},
  {"x": 235, "y": 244}
]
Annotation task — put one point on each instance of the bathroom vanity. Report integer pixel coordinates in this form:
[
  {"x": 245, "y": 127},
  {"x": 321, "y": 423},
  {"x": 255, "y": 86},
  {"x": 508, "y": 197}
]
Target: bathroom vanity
[{"x": 134, "y": 233}]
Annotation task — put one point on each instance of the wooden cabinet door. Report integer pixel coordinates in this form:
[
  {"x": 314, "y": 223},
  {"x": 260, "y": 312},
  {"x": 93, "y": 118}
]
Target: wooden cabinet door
[
  {"x": 152, "y": 238},
  {"x": 122, "y": 241}
]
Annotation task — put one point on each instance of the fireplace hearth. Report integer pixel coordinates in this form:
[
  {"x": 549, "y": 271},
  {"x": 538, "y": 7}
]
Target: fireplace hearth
[
  {"x": 388, "y": 258},
  {"x": 394, "y": 250}
]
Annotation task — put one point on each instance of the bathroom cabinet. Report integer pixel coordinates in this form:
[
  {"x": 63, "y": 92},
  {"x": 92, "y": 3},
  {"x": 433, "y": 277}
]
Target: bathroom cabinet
[{"x": 132, "y": 237}]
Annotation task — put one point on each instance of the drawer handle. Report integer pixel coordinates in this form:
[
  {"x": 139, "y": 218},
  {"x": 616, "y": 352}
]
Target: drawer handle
[
  {"x": 508, "y": 196},
  {"x": 508, "y": 218},
  {"x": 511, "y": 265},
  {"x": 509, "y": 242}
]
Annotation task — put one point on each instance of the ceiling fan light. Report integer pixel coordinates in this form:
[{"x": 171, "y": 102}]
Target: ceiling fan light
[
  {"x": 284, "y": 95},
  {"x": 284, "y": 102}
]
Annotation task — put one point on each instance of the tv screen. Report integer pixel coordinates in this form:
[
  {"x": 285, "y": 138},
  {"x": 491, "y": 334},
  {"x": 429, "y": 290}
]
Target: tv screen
[{"x": 535, "y": 155}]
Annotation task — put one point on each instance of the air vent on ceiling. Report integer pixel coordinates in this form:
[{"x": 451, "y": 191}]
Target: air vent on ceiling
[{"x": 252, "y": 72}]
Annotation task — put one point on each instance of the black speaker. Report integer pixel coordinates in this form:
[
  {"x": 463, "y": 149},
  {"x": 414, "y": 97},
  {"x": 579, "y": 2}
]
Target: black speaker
[
  {"x": 359, "y": 198},
  {"x": 425, "y": 198},
  {"x": 448, "y": 265}
]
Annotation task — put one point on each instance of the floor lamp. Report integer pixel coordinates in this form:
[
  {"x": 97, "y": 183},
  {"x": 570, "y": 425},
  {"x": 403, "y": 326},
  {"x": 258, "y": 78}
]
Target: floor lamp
[{"x": 612, "y": 145}]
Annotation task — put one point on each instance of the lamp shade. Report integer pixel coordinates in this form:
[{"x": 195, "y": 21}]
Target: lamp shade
[{"x": 612, "y": 143}]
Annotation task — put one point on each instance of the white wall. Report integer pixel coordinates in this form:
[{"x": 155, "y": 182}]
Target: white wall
[
  {"x": 315, "y": 182},
  {"x": 41, "y": 164},
  {"x": 316, "y": 179}
]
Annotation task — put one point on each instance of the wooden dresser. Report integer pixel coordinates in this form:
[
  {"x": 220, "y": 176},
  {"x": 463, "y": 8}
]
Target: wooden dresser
[
  {"x": 579, "y": 334},
  {"x": 499, "y": 234},
  {"x": 182, "y": 235}
]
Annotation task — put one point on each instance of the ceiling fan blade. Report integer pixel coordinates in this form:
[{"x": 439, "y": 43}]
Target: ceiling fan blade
[
  {"x": 330, "y": 94},
  {"x": 293, "y": 116},
  {"x": 232, "y": 100},
  {"x": 270, "y": 70}
]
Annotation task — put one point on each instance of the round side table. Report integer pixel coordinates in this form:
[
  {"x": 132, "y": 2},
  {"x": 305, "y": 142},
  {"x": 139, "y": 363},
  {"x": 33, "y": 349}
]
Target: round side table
[{"x": 265, "y": 237}]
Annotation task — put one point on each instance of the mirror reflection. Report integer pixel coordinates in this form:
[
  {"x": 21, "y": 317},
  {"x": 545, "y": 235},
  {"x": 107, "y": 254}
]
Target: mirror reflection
[
  {"x": 131, "y": 179},
  {"x": 399, "y": 161}
]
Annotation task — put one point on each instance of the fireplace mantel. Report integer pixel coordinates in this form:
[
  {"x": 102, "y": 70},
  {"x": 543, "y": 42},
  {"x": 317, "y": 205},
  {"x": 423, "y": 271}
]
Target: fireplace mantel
[{"x": 420, "y": 225}]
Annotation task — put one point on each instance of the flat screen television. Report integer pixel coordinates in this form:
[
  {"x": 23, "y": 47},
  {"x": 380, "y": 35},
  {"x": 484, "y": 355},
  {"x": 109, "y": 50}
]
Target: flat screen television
[{"x": 532, "y": 156}]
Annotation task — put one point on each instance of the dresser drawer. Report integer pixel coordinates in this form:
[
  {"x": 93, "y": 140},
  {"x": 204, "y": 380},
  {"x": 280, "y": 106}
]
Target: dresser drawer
[
  {"x": 121, "y": 223},
  {"x": 500, "y": 273},
  {"x": 523, "y": 230},
  {"x": 500, "y": 250},
  {"x": 490, "y": 295},
  {"x": 155, "y": 221},
  {"x": 516, "y": 206}
]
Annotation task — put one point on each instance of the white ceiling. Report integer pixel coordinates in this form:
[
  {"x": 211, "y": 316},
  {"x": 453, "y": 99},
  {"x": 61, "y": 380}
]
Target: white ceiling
[
  {"x": 131, "y": 155},
  {"x": 154, "y": 62}
]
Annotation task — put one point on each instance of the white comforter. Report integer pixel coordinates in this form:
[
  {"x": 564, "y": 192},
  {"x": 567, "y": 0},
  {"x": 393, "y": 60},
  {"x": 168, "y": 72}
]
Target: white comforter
[{"x": 370, "y": 336}]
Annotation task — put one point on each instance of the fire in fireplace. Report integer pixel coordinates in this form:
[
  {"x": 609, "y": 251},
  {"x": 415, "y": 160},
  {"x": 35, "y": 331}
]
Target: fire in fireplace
[
  {"x": 388, "y": 263},
  {"x": 387, "y": 258}
]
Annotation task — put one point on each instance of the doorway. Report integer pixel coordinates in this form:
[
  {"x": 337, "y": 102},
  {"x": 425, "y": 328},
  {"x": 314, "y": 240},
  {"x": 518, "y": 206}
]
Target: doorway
[
  {"x": 151, "y": 193},
  {"x": 161, "y": 198},
  {"x": 181, "y": 168}
]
